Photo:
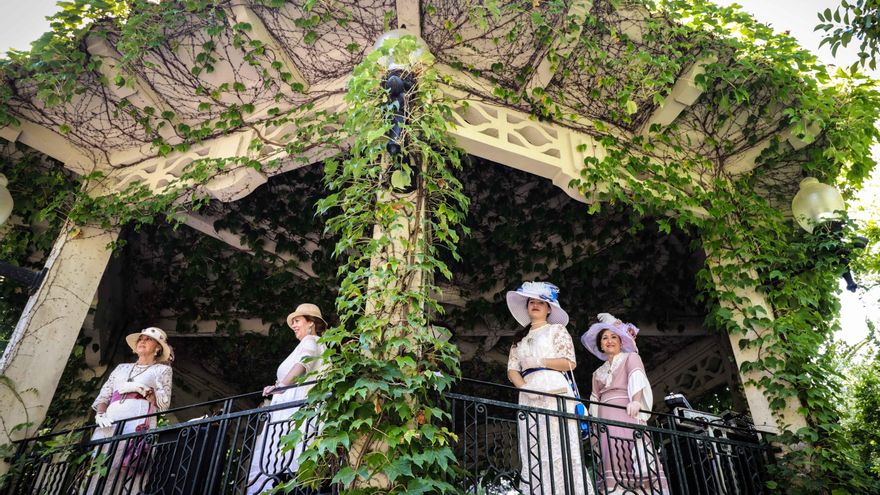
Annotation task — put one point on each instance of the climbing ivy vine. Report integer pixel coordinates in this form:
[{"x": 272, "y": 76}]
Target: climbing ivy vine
[{"x": 387, "y": 360}]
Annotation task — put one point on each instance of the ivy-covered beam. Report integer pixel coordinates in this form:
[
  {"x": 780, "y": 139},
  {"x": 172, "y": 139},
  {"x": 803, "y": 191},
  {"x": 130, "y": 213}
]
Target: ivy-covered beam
[
  {"x": 131, "y": 88},
  {"x": 247, "y": 20},
  {"x": 684, "y": 94},
  {"x": 561, "y": 46},
  {"x": 206, "y": 225},
  {"x": 50, "y": 143}
]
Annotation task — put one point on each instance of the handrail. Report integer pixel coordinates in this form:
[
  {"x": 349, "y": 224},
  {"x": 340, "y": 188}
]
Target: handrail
[
  {"x": 564, "y": 398},
  {"x": 588, "y": 402},
  {"x": 216, "y": 451},
  {"x": 176, "y": 409}
]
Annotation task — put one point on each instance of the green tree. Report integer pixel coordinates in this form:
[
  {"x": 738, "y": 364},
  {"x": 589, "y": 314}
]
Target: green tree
[
  {"x": 863, "y": 423},
  {"x": 859, "y": 20}
]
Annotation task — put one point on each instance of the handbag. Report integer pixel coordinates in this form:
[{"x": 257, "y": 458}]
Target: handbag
[{"x": 579, "y": 409}]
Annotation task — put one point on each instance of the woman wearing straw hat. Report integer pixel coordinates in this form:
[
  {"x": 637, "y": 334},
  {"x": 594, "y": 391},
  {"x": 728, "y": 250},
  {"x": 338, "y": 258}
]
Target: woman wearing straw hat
[
  {"x": 269, "y": 465},
  {"x": 134, "y": 389},
  {"x": 538, "y": 361},
  {"x": 621, "y": 392}
]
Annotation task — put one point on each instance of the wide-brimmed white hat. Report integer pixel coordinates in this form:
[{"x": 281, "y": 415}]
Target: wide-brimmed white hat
[
  {"x": 156, "y": 334},
  {"x": 627, "y": 344},
  {"x": 305, "y": 309},
  {"x": 517, "y": 302}
]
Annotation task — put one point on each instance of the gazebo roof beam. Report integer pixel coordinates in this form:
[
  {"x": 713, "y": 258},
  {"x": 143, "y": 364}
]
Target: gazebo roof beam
[
  {"x": 684, "y": 93},
  {"x": 242, "y": 14},
  {"x": 409, "y": 16},
  {"x": 205, "y": 225},
  {"x": 50, "y": 143},
  {"x": 561, "y": 45},
  {"x": 136, "y": 91},
  {"x": 746, "y": 160}
]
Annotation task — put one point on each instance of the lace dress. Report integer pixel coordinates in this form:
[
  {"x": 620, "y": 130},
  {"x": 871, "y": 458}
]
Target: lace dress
[
  {"x": 269, "y": 464},
  {"x": 550, "y": 465},
  {"x": 155, "y": 376}
]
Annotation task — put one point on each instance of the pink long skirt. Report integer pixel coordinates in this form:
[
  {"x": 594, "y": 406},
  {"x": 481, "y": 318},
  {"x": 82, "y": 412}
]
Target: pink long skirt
[{"x": 629, "y": 459}]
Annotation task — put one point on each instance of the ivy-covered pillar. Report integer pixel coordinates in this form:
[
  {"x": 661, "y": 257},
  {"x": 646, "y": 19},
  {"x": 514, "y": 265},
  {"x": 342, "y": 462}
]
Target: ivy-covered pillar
[
  {"x": 46, "y": 333},
  {"x": 773, "y": 406},
  {"x": 396, "y": 203}
]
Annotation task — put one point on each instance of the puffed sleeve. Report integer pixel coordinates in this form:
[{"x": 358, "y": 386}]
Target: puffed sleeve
[
  {"x": 309, "y": 354},
  {"x": 163, "y": 388},
  {"x": 513, "y": 359},
  {"x": 562, "y": 344},
  {"x": 107, "y": 389},
  {"x": 637, "y": 381}
]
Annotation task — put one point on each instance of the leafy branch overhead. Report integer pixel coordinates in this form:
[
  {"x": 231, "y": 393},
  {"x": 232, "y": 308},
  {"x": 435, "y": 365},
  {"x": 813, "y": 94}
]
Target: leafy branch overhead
[{"x": 856, "y": 20}]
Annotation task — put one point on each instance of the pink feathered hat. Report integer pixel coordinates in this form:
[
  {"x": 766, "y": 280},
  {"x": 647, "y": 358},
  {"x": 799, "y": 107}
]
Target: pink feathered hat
[{"x": 627, "y": 344}]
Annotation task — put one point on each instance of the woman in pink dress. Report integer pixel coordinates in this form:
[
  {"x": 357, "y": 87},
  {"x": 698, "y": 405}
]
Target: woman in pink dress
[{"x": 629, "y": 463}]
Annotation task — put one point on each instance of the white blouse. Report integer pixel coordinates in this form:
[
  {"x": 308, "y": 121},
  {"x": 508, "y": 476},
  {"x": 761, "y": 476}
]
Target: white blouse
[{"x": 155, "y": 376}]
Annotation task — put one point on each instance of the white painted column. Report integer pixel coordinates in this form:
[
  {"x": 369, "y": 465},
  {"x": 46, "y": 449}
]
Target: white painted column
[
  {"x": 764, "y": 417},
  {"x": 45, "y": 335}
]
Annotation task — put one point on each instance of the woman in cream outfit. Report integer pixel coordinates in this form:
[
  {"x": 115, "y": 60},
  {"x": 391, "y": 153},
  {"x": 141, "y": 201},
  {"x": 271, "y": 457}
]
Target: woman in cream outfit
[
  {"x": 269, "y": 465},
  {"x": 131, "y": 390},
  {"x": 542, "y": 354}
]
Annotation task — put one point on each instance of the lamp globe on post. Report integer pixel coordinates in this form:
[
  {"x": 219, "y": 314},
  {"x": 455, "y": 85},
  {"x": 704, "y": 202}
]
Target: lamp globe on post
[
  {"x": 20, "y": 275},
  {"x": 398, "y": 60},
  {"x": 820, "y": 204},
  {"x": 816, "y": 203},
  {"x": 403, "y": 52},
  {"x": 6, "y": 202}
]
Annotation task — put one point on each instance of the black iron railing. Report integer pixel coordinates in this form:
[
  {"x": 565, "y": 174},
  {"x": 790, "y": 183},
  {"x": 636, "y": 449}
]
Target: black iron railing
[
  {"x": 231, "y": 452},
  {"x": 503, "y": 448},
  {"x": 506, "y": 448}
]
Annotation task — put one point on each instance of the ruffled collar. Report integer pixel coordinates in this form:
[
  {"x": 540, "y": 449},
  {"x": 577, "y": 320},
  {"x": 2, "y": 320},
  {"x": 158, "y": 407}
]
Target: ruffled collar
[{"x": 605, "y": 373}]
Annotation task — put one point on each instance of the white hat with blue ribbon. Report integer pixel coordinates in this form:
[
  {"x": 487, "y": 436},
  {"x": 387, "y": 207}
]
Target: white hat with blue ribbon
[{"x": 517, "y": 302}]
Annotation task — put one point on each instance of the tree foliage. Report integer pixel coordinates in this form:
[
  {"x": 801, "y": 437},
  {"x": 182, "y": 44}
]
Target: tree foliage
[{"x": 857, "y": 20}]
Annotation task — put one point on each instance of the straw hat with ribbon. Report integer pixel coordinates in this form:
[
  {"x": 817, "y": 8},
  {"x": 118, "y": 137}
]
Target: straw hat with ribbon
[
  {"x": 156, "y": 334},
  {"x": 306, "y": 309}
]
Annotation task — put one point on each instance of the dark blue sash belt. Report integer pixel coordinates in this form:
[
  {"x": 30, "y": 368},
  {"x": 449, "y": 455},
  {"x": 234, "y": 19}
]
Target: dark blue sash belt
[{"x": 529, "y": 371}]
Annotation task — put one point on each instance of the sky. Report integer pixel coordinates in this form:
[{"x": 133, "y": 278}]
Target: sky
[{"x": 24, "y": 21}]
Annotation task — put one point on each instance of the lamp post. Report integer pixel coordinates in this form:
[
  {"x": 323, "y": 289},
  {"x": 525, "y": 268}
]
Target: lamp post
[
  {"x": 818, "y": 204},
  {"x": 22, "y": 276},
  {"x": 399, "y": 80}
]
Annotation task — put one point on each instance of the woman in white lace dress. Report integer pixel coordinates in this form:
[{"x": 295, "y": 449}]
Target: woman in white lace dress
[
  {"x": 131, "y": 390},
  {"x": 550, "y": 456},
  {"x": 269, "y": 464}
]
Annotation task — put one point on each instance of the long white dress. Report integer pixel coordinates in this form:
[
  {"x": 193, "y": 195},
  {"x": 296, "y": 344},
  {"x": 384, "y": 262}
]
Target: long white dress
[
  {"x": 268, "y": 462},
  {"x": 549, "y": 467},
  {"x": 155, "y": 376}
]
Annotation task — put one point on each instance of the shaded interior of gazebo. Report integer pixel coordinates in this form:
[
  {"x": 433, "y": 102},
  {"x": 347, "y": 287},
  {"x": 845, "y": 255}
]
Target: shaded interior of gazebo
[{"x": 222, "y": 287}]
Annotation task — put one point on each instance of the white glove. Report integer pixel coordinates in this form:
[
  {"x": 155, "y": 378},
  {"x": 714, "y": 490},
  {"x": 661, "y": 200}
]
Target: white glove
[
  {"x": 531, "y": 362},
  {"x": 607, "y": 318},
  {"x": 632, "y": 409},
  {"x": 103, "y": 421},
  {"x": 129, "y": 387}
]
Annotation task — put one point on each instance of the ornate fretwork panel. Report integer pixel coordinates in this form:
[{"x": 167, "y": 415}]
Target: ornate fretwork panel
[
  {"x": 509, "y": 137},
  {"x": 694, "y": 370}
]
